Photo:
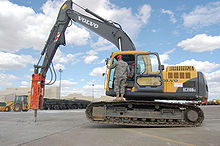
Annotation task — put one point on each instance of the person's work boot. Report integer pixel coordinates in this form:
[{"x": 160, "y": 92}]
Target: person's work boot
[
  {"x": 117, "y": 98},
  {"x": 122, "y": 97}
]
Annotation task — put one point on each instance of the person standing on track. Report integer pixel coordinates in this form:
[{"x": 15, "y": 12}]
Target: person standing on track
[{"x": 121, "y": 73}]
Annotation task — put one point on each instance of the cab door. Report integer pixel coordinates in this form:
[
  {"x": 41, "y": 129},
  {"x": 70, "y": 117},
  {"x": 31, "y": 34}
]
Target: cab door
[{"x": 148, "y": 73}]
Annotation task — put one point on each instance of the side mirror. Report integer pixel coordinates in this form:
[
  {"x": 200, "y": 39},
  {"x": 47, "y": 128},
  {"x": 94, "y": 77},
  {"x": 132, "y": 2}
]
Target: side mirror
[
  {"x": 103, "y": 74},
  {"x": 162, "y": 67},
  {"x": 106, "y": 61}
]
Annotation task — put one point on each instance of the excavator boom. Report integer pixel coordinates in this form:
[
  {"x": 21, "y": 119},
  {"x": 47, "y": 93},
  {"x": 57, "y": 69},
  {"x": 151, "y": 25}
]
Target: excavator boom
[
  {"x": 106, "y": 29},
  {"x": 100, "y": 26}
]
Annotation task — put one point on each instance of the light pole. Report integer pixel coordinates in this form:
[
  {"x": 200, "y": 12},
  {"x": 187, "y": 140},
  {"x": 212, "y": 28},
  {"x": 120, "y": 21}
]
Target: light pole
[
  {"x": 60, "y": 70},
  {"x": 93, "y": 91}
]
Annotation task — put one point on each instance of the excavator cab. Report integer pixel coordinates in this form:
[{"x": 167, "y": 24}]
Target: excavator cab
[{"x": 147, "y": 77}]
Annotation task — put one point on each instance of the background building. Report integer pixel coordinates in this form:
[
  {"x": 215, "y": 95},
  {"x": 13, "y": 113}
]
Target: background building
[{"x": 51, "y": 92}]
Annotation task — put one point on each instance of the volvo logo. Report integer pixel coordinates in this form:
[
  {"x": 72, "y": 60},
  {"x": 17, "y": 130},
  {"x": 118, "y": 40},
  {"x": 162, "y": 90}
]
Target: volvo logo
[{"x": 88, "y": 22}]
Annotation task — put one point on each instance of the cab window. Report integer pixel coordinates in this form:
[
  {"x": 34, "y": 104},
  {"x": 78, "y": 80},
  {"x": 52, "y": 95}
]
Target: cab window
[{"x": 147, "y": 64}]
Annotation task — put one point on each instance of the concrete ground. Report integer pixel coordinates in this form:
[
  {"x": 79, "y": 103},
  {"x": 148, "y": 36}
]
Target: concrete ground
[{"x": 72, "y": 128}]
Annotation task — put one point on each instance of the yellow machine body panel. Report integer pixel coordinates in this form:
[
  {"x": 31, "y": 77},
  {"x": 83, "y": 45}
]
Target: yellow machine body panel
[{"x": 175, "y": 76}]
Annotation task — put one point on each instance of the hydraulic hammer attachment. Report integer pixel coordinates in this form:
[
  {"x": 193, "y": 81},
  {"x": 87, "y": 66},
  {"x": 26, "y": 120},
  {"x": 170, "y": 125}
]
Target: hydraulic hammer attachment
[{"x": 37, "y": 93}]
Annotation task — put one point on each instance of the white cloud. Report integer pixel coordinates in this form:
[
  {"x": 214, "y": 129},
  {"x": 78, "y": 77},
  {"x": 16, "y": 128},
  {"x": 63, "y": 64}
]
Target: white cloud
[
  {"x": 52, "y": 7},
  {"x": 100, "y": 43},
  {"x": 201, "y": 43},
  {"x": 203, "y": 15},
  {"x": 59, "y": 66},
  {"x": 31, "y": 70},
  {"x": 203, "y": 66},
  {"x": 13, "y": 61},
  {"x": 154, "y": 30},
  {"x": 24, "y": 28},
  {"x": 82, "y": 80},
  {"x": 91, "y": 52},
  {"x": 74, "y": 34},
  {"x": 213, "y": 80},
  {"x": 107, "y": 48},
  {"x": 90, "y": 59},
  {"x": 67, "y": 87},
  {"x": 131, "y": 23},
  {"x": 213, "y": 76},
  {"x": 214, "y": 90},
  {"x": 175, "y": 33},
  {"x": 5, "y": 79},
  {"x": 165, "y": 56},
  {"x": 172, "y": 18},
  {"x": 29, "y": 77},
  {"x": 145, "y": 13},
  {"x": 65, "y": 58},
  {"x": 65, "y": 83},
  {"x": 77, "y": 36},
  {"x": 98, "y": 71},
  {"x": 25, "y": 84},
  {"x": 98, "y": 90},
  {"x": 102, "y": 61}
]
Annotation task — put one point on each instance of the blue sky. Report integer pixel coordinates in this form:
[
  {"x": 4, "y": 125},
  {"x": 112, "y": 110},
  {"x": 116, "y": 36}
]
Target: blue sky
[{"x": 183, "y": 32}]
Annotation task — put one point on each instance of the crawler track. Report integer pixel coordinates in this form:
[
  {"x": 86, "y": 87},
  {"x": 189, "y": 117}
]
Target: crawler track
[{"x": 117, "y": 113}]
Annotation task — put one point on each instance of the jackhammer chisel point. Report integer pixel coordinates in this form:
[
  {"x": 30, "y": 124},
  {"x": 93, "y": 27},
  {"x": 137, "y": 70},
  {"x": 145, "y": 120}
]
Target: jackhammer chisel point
[{"x": 35, "y": 115}]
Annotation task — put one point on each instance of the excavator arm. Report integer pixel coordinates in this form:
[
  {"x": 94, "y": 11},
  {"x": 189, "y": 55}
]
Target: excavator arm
[{"x": 107, "y": 29}]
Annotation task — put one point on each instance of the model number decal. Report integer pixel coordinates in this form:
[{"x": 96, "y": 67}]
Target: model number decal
[
  {"x": 189, "y": 90},
  {"x": 88, "y": 22}
]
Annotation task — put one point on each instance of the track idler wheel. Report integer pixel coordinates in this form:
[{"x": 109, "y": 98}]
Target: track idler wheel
[{"x": 192, "y": 115}]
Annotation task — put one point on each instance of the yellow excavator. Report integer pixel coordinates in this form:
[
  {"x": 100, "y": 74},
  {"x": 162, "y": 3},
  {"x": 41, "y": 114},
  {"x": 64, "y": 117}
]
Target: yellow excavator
[{"x": 149, "y": 84}]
